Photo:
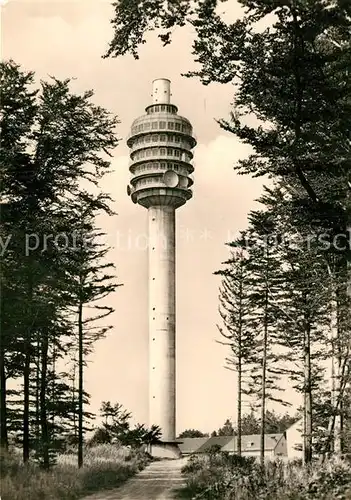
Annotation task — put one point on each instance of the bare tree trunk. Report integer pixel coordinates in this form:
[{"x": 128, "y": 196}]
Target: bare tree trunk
[
  {"x": 43, "y": 412},
  {"x": 240, "y": 366},
  {"x": 340, "y": 305},
  {"x": 37, "y": 391},
  {"x": 307, "y": 441},
  {"x": 3, "y": 409},
  {"x": 343, "y": 344},
  {"x": 53, "y": 386},
  {"x": 75, "y": 429},
  {"x": 239, "y": 404},
  {"x": 26, "y": 369},
  {"x": 335, "y": 444},
  {"x": 345, "y": 375},
  {"x": 264, "y": 375},
  {"x": 26, "y": 376},
  {"x": 80, "y": 385},
  {"x": 338, "y": 413}
]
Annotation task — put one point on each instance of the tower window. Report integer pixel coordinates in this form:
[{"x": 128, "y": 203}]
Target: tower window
[
  {"x": 163, "y": 165},
  {"x": 162, "y": 124},
  {"x": 176, "y": 152},
  {"x": 177, "y": 126},
  {"x": 146, "y": 126},
  {"x": 162, "y": 137},
  {"x": 177, "y": 138},
  {"x": 162, "y": 151},
  {"x": 170, "y": 125},
  {"x": 163, "y": 107},
  {"x": 154, "y": 125},
  {"x": 171, "y": 138},
  {"x": 157, "y": 109}
]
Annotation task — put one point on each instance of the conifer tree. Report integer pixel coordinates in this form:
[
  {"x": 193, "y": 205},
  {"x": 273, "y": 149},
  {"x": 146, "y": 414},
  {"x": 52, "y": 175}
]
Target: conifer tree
[
  {"x": 87, "y": 282},
  {"x": 235, "y": 311},
  {"x": 52, "y": 140}
]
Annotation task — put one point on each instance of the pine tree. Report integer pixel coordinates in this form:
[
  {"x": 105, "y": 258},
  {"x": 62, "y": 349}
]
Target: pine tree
[
  {"x": 235, "y": 310},
  {"x": 88, "y": 281},
  {"x": 265, "y": 274},
  {"x": 51, "y": 142}
]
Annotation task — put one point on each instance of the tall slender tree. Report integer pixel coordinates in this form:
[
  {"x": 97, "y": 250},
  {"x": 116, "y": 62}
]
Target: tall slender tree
[
  {"x": 52, "y": 141},
  {"x": 88, "y": 281},
  {"x": 235, "y": 311}
]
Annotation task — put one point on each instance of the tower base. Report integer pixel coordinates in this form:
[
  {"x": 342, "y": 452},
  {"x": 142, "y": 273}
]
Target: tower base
[{"x": 165, "y": 449}]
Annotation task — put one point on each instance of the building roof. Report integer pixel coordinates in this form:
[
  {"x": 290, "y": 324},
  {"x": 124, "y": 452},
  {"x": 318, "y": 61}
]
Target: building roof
[
  {"x": 201, "y": 445},
  {"x": 251, "y": 442},
  {"x": 191, "y": 445},
  {"x": 213, "y": 441}
]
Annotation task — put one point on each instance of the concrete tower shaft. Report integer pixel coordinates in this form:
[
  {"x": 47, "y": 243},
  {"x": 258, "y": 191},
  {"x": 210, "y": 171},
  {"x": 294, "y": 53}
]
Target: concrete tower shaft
[
  {"x": 160, "y": 152},
  {"x": 162, "y": 303}
]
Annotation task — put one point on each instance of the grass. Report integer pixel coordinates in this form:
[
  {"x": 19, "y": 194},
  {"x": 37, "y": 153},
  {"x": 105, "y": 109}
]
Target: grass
[
  {"x": 106, "y": 466},
  {"x": 224, "y": 477}
]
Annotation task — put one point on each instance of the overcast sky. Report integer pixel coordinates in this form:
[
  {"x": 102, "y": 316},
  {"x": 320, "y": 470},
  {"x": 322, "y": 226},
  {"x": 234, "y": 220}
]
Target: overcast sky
[{"x": 67, "y": 39}]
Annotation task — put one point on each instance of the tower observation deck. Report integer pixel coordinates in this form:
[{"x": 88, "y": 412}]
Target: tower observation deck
[
  {"x": 161, "y": 142},
  {"x": 160, "y": 145}
]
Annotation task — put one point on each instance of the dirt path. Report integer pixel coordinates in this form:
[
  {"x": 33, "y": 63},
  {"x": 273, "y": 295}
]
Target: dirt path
[{"x": 159, "y": 481}]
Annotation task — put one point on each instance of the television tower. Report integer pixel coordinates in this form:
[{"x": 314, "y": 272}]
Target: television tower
[{"x": 160, "y": 163}]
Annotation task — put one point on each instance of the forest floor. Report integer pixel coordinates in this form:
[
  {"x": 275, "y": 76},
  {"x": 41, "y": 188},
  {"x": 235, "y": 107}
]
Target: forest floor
[{"x": 158, "y": 481}]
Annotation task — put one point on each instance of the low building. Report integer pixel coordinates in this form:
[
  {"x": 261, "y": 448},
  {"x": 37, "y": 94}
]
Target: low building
[
  {"x": 191, "y": 445},
  {"x": 294, "y": 440},
  {"x": 275, "y": 445},
  {"x": 219, "y": 441}
]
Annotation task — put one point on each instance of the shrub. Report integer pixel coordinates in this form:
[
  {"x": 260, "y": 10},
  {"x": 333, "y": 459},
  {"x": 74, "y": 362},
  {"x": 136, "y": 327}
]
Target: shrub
[
  {"x": 101, "y": 436},
  {"x": 334, "y": 478},
  {"x": 104, "y": 475},
  {"x": 105, "y": 466},
  {"x": 225, "y": 477}
]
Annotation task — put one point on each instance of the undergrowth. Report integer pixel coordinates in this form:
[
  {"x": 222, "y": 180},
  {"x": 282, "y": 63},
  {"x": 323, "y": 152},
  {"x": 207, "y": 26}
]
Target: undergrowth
[
  {"x": 106, "y": 466},
  {"x": 223, "y": 477}
]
